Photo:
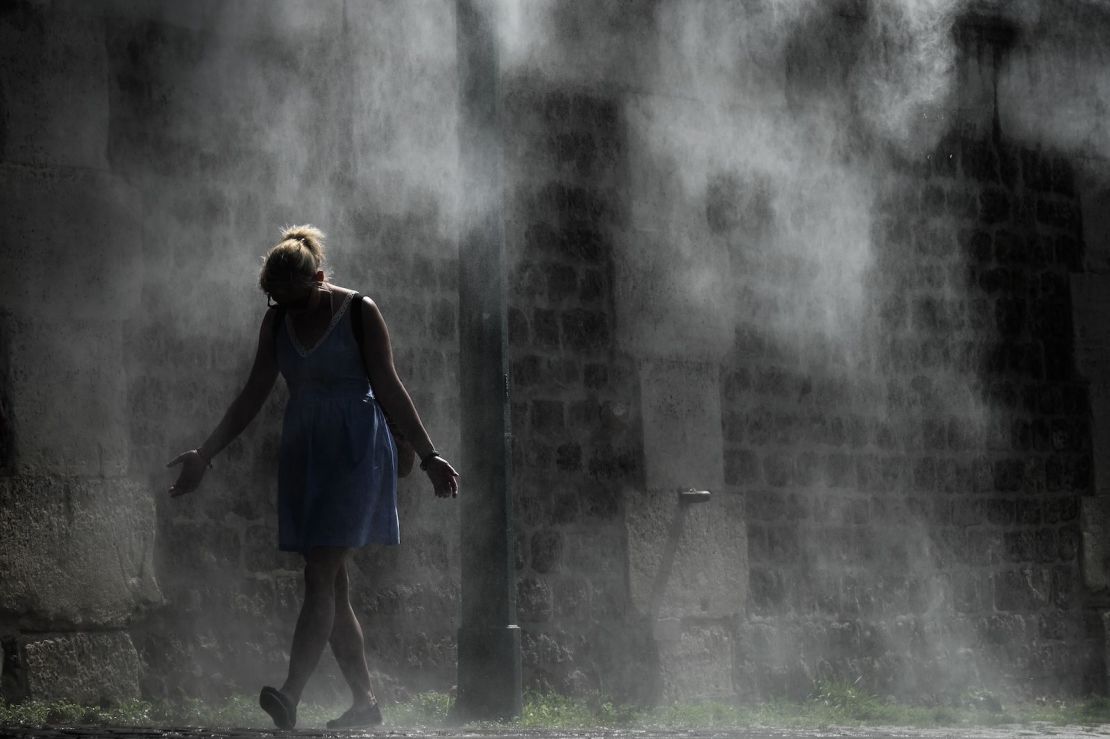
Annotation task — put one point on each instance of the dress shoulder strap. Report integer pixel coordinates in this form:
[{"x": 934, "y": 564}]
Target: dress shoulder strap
[
  {"x": 279, "y": 319},
  {"x": 356, "y": 319},
  {"x": 356, "y": 328}
]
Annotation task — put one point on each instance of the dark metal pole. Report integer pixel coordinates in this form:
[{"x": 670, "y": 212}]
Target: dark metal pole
[{"x": 489, "y": 681}]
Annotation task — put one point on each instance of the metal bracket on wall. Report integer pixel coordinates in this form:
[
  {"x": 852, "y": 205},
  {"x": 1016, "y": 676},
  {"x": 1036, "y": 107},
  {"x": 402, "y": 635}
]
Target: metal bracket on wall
[{"x": 690, "y": 495}]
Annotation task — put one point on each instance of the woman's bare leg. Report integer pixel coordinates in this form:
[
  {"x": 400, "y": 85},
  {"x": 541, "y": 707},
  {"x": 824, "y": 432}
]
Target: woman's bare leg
[
  {"x": 347, "y": 643},
  {"x": 314, "y": 625}
]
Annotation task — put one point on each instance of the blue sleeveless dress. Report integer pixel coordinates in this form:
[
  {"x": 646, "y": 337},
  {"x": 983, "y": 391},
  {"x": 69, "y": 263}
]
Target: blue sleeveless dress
[{"x": 337, "y": 475}]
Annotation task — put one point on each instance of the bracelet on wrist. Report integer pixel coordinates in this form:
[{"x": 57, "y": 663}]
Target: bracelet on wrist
[{"x": 427, "y": 459}]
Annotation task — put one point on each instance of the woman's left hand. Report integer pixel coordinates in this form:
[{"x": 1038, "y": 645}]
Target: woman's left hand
[{"x": 445, "y": 480}]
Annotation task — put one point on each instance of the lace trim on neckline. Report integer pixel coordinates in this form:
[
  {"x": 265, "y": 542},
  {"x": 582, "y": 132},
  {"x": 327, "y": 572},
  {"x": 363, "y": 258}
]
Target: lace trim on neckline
[{"x": 336, "y": 317}]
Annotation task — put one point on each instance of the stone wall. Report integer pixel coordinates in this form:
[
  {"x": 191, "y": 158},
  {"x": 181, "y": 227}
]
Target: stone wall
[{"x": 864, "y": 354}]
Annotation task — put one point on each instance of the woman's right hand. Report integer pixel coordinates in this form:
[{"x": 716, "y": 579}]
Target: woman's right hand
[
  {"x": 193, "y": 466},
  {"x": 445, "y": 480}
]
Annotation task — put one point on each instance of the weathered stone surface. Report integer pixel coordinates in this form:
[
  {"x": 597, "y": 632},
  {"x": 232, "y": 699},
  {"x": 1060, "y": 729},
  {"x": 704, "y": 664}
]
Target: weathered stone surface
[
  {"x": 53, "y": 103},
  {"x": 68, "y": 398},
  {"x": 77, "y": 552},
  {"x": 681, "y": 407},
  {"x": 84, "y": 265},
  {"x": 1095, "y": 522},
  {"x": 686, "y": 559},
  {"x": 67, "y": 284},
  {"x": 84, "y": 667},
  {"x": 657, "y": 312},
  {"x": 1095, "y": 204},
  {"x": 1090, "y": 295},
  {"x": 89, "y": 668},
  {"x": 1090, "y": 306},
  {"x": 695, "y": 661}
]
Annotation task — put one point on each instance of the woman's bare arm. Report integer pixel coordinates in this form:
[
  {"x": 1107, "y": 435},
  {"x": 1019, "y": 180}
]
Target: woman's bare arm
[
  {"x": 250, "y": 399},
  {"x": 388, "y": 388},
  {"x": 241, "y": 412},
  {"x": 394, "y": 398}
]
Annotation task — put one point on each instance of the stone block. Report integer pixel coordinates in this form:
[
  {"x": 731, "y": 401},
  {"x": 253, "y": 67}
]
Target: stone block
[
  {"x": 547, "y": 417},
  {"x": 596, "y": 376},
  {"x": 994, "y": 205},
  {"x": 68, "y": 407},
  {"x": 741, "y": 467},
  {"x": 686, "y": 559},
  {"x": 1095, "y": 524},
  {"x": 681, "y": 417},
  {"x": 526, "y": 372},
  {"x": 545, "y": 328},
  {"x": 585, "y": 330},
  {"x": 547, "y": 549},
  {"x": 1095, "y": 206},
  {"x": 778, "y": 469},
  {"x": 77, "y": 553},
  {"x": 534, "y": 600},
  {"x": 1060, "y": 214},
  {"x": 572, "y": 598},
  {"x": 91, "y": 668},
  {"x": 695, "y": 661},
  {"x": 568, "y": 457},
  {"x": 562, "y": 282}
]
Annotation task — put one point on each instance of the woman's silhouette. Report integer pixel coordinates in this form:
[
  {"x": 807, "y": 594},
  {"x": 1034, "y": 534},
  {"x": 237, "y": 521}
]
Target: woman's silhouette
[{"x": 337, "y": 480}]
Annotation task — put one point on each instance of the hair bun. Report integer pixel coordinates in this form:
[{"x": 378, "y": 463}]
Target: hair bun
[{"x": 310, "y": 236}]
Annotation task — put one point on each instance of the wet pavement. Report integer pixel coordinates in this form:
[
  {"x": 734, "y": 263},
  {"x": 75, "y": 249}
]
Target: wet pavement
[{"x": 1003, "y": 732}]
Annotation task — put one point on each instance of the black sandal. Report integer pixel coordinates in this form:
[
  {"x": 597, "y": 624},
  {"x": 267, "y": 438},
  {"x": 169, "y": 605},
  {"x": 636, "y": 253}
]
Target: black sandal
[
  {"x": 358, "y": 717},
  {"x": 280, "y": 708}
]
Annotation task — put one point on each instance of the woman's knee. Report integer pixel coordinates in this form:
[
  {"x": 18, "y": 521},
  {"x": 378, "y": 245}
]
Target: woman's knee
[
  {"x": 342, "y": 584},
  {"x": 322, "y": 565}
]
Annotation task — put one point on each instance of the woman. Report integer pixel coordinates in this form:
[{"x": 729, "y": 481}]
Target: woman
[{"x": 337, "y": 483}]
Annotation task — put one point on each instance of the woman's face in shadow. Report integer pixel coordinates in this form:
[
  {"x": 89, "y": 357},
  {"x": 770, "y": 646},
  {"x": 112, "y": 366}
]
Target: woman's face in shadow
[{"x": 291, "y": 297}]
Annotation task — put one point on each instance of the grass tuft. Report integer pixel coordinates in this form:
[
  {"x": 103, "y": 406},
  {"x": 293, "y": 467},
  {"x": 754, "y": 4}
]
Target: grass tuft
[{"x": 423, "y": 710}]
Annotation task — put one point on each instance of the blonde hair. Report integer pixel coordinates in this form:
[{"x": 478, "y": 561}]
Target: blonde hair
[{"x": 293, "y": 260}]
